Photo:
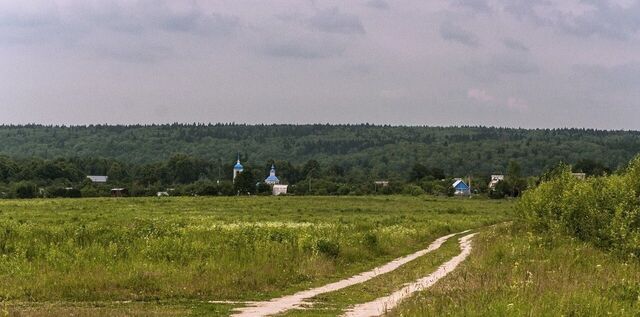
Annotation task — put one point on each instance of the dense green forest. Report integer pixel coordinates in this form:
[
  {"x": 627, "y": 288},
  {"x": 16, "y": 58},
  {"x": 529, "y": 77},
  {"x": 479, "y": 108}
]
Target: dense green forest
[
  {"x": 342, "y": 156},
  {"x": 383, "y": 151}
]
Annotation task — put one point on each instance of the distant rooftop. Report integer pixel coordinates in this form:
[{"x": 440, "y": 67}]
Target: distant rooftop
[{"x": 98, "y": 178}]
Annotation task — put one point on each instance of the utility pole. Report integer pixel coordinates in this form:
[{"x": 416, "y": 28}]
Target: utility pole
[
  {"x": 309, "y": 176},
  {"x": 219, "y": 168}
]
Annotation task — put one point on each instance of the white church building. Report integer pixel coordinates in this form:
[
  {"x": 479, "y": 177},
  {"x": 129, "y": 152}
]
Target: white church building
[
  {"x": 237, "y": 169},
  {"x": 272, "y": 179}
]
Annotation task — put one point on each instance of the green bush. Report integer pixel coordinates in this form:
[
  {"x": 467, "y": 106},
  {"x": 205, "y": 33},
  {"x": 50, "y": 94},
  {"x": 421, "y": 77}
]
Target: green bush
[
  {"x": 602, "y": 210},
  {"x": 25, "y": 190},
  {"x": 329, "y": 248},
  {"x": 370, "y": 239},
  {"x": 413, "y": 190}
]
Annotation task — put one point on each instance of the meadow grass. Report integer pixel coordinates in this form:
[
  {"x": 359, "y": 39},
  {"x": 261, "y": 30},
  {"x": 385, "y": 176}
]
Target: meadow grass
[
  {"x": 181, "y": 252},
  {"x": 92, "y": 309},
  {"x": 335, "y": 303},
  {"x": 514, "y": 271}
]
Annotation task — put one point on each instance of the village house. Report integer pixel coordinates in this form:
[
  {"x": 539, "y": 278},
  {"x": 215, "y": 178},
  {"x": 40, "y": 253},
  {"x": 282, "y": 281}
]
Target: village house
[
  {"x": 461, "y": 188},
  {"x": 98, "y": 179},
  {"x": 119, "y": 192},
  {"x": 495, "y": 179},
  {"x": 380, "y": 184},
  {"x": 280, "y": 189},
  {"x": 579, "y": 175}
]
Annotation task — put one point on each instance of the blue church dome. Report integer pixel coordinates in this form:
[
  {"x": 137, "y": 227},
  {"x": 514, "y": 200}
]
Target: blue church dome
[
  {"x": 238, "y": 166},
  {"x": 272, "y": 179}
]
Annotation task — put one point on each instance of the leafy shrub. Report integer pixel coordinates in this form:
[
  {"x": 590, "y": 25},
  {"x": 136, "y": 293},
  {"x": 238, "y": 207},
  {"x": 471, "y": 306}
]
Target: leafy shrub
[
  {"x": 328, "y": 248},
  {"x": 25, "y": 190},
  {"x": 602, "y": 210},
  {"x": 413, "y": 190},
  {"x": 64, "y": 192},
  {"x": 370, "y": 239}
]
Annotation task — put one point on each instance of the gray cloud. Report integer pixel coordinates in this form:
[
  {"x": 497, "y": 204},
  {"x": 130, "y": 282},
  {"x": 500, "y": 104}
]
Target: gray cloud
[
  {"x": 480, "y": 6},
  {"x": 512, "y": 64},
  {"x": 135, "y": 53},
  {"x": 607, "y": 21},
  {"x": 324, "y": 34},
  {"x": 333, "y": 21},
  {"x": 378, "y": 4},
  {"x": 452, "y": 32},
  {"x": 515, "y": 45},
  {"x": 199, "y": 23},
  {"x": 609, "y": 78},
  {"x": 143, "y": 61},
  {"x": 84, "y": 20},
  {"x": 303, "y": 48},
  {"x": 588, "y": 17},
  {"x": 499, "y": 67},
  {"x": 45, "y": 16}
]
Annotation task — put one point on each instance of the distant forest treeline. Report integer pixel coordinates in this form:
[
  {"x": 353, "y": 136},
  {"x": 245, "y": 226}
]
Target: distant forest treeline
[
  {"x": 366, "y": 151},
  {"x": 316, "y": 159}
]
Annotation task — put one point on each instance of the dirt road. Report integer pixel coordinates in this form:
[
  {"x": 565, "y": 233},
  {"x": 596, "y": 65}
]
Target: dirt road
[
  {"x": 383, "y": 304},
  {"x": 285, "y": 303}
]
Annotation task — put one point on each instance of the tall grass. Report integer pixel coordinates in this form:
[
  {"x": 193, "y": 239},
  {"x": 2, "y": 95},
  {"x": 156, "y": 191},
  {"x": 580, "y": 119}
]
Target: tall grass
[
  {"x": 212, "y": 248},
  {"x": 602, "y": 210},
  {"x": 516, "y": 272}
]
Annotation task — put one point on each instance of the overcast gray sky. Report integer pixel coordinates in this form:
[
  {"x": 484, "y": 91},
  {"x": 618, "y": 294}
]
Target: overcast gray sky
[{"x": 516, "y": 63}]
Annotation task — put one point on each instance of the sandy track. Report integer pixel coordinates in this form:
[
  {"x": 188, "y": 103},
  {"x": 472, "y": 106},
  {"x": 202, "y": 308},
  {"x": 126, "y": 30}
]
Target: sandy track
[
  {"x": 283, "y": 304},
  {"x": 381, "y": 305}
]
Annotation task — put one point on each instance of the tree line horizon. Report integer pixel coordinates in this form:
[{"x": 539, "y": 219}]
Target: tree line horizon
[
  {"x": 320, "y": 124},
  {"x": 349, "y": 158}
]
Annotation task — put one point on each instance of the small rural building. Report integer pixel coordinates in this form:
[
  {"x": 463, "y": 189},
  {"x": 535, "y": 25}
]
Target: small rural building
[
  {"x": 272, "y": 179},
  {"x": 495, "y": 179},
  {"x": 461, "y": 188},
  {"x": 380, "y": 184},
  {"x": 119, "y": 192},
  {"x": 160, "y": 194},
  {"x": 579, "y": 175},
  {"x": 98, "y": 179},
  {"x": 280, "y": 189}
]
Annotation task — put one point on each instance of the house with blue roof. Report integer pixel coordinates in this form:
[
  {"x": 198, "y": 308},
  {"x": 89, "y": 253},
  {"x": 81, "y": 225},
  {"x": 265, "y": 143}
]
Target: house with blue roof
[{"x": 461, "y": 188}]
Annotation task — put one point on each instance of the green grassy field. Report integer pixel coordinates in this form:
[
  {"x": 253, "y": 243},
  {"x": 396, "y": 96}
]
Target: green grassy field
[
  {"x": 171, "y": 256},
  {"x": 149, "y": 256},
  {"x": 516, "y": 272}
]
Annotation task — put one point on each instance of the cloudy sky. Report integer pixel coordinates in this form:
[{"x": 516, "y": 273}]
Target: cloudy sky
[{"x": 516, "y": 63}]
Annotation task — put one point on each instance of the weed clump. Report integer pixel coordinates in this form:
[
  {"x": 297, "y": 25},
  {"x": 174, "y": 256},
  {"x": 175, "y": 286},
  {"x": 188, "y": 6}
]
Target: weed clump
[
  {"x": 370, "y": 239},
  {"x": 328, "y": 248}
]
